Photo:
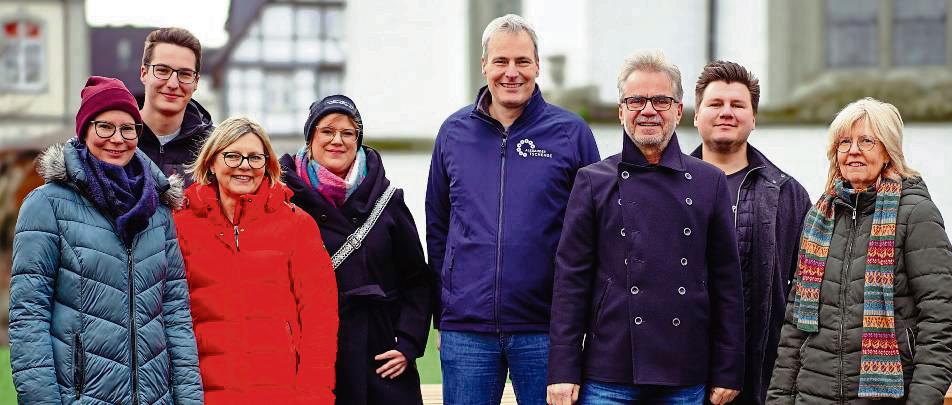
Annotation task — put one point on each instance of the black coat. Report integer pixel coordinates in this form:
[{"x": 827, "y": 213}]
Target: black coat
[
  {"x": 771, "y": 207},
  {"x": 174, "y": 156},
  {"x": 647, "y": 274},
  {"x": 385, "y": 286}
]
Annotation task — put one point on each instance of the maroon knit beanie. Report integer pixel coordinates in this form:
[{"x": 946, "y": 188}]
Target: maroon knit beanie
[{"x": 104, "y": 94}]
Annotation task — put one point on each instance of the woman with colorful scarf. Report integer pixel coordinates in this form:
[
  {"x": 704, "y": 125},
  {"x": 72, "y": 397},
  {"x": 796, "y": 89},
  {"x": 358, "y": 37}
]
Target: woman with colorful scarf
[
  {"x": 869, "y": 316},
  {"x": 384, "y": 284},
  {"x": 262, "y": 287},
  {"x": 99, "y": 308}
]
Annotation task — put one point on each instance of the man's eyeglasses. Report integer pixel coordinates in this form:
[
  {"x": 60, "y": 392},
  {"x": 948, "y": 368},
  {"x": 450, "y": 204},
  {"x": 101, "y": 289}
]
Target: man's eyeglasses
[
  {"x": 346, "y": 135},
  {"x": 106, "y": 130},
  {"x": 164, "y": 72},
  {"x": 235, "y": 159},
  {"x": 638, "y": 103},
  {"x": 864, "y": 143}
]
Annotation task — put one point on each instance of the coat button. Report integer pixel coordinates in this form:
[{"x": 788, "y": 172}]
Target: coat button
[
  {"x": 624, "y": 174},
  {"x": 619, "y": 201},
  {"x": 623, "y": 232},
  {"x": 638, "y": 320},
  {"x": 323, "y": 218},
  {"x": 249, "y": 200},
  {"x": 688, "y": 201},
  {"x": 687, "y": 176},
  {"x": 687, "y": 231},
  {"x": 682, "y": 290},
  {"x": 354, "y": 220},
  {"x": 684, "y": 261},
  {"x": 626, "y": 261},
  {"x": 221, "y": 234},
  {"x": 675, "y": 321},
  {"x": 634, "y": 290}
]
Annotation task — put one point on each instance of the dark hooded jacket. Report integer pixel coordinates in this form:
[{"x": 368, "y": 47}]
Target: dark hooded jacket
[
  {"x": 768, "y": 217},
  {"x": 172, "y": 157},
  {"x": 384, "y": 286},
  {"x": 824, "y": 367}
]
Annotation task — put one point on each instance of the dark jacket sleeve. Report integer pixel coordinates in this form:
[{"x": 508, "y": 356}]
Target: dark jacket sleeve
[
  {"x": 416, "y": 283},
  {"x": 186, "y": 379},
  {"x": 575, "y": 264},
  {"x": 36, "y": 256},
  {"x": 725, "y": 290},
  {"x": 437, "y": 206},
  {"x": 928, "y": 266}
]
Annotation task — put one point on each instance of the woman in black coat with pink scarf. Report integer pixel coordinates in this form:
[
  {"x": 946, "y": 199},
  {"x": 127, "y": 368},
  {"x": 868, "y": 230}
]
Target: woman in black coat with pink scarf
[{"x": 384, "y": 284}]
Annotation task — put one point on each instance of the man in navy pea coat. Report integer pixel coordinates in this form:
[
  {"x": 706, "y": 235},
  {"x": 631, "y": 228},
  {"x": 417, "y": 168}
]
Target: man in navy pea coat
[{"x": 647, "y": 302}]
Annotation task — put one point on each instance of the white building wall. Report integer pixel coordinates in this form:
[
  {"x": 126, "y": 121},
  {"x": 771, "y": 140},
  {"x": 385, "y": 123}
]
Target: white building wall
[
  {"x": 563, "y": 29},
  {"x": 742, "y": 38},
  {"x": 51, "y": 100},
  {"x": 406, "y": 64}
]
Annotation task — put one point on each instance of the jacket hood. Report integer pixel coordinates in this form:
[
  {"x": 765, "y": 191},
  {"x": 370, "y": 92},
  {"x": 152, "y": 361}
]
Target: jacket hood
[
  {"x": 197, "y": 120},
  {"x": 60, "y": 163},
  {"x": 202, "y": 199}
]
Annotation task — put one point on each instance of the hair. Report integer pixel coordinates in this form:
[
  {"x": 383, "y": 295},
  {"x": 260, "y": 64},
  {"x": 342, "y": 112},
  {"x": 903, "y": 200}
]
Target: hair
[
  {"x": 885, "y": 122},
  {"x": 651, "y": 61},
  {"x": 222, "y": 137},
  {"x": 728, "y": 72},
  {"x": 512, "y": 24},
  {"x": 174, "y": 36}
]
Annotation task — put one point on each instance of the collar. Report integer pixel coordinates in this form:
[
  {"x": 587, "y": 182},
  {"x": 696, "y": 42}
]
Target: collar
[
  {"x": 755, "y": 158},
  {"x": 671, "y": 157},
  {"x": 204, "y": 201},
  {"x": 533, "y": 107}
]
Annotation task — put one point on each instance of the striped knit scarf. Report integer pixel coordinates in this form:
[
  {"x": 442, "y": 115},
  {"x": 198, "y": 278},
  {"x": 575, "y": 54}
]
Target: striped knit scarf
[
  {"x": 880, "y": 368},
  {"x": 335, "y": 189}
]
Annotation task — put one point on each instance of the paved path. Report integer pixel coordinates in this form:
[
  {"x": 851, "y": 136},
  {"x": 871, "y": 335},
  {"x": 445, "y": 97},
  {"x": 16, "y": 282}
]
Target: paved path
[{"x": 433, "y": 395}]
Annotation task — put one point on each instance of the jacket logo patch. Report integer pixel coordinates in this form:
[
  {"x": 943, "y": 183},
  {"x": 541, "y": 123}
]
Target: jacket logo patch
[{"x": 527, "y": 148}]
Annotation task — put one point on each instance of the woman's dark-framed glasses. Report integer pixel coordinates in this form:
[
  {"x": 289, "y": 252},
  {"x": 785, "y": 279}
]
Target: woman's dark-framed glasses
[
  {"x": 164, "y": 72},
  {"x": 659, "y": 103},
  {"x": 106, "y": 130},
  {"x": 864, "y": 143},
  {"x": 235, "y": 159},
  {"x": 346, "y": 135}
]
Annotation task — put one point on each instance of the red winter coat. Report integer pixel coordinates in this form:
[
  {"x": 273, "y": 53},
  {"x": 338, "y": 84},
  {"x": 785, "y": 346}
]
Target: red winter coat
[{"x": 263, "y": 298}]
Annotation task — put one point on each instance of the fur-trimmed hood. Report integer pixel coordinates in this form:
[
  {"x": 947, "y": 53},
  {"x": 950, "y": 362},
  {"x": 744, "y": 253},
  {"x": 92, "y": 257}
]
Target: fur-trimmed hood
[{"x": 60, "y": 163}]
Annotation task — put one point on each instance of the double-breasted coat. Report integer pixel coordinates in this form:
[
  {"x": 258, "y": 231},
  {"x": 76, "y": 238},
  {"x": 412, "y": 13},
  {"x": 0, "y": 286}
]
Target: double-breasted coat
[
  {"x": 385, "y": 287},
  {"x": 647, "y": 275}
]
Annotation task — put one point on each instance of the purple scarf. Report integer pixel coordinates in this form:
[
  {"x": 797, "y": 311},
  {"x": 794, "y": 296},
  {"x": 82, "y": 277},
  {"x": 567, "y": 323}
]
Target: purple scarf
[{"x": 125, "y": 194}]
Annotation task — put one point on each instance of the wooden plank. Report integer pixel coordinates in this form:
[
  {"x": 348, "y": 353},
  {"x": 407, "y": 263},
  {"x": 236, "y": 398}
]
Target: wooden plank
[{"x": 433, "y": 395}]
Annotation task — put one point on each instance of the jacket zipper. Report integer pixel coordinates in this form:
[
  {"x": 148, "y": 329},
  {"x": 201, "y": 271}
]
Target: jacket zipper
[
  {"x": 844, "y": 283},
  {"x": 132, "y": 325},
  {"x": 79, "y": 368},
  {"x": 502, "y": 190},
  {"x": 737, "y": 201},
  {"x": 237, "y": 248}
]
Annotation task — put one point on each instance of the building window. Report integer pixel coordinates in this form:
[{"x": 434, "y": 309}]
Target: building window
[
  {"x": 852, "y": 33},
  {"x": 22, "y": 55},
  {"x": 919, "y": 32}
]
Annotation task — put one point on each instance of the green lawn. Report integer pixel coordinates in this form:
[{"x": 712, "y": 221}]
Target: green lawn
[
  {"x": 7, "y": 394},
  {"x": 429, "y": 364}
]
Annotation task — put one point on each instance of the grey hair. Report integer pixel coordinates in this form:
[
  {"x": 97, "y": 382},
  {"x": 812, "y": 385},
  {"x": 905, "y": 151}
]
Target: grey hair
[
  {"x": 651, "y": 60},
  {"x": 512, "y": 24}
]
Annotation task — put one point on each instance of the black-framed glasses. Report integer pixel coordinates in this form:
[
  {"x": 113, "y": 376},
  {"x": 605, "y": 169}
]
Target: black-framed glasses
[
  {"x": 235, "y": 159},
  {"x": 106, "y": 130},
  {"x": 659, "y": 103},
  {"x": 164, "y": 72},
  {"x": 346, "y": 135},
  {"x": 864, "y": 143}
]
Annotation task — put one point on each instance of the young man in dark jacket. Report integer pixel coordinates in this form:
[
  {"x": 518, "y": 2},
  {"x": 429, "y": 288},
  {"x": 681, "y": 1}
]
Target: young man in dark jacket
[
  {"x": 175, "y": 125},
  {"x": 500, "y": 177},
  {"x": 647, "y": 304},
  {"x": 769, "y": 207}
]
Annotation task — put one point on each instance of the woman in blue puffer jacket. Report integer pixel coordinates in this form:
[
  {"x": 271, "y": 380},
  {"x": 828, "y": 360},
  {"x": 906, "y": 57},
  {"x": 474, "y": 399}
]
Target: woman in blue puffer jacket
[{"x": 99, "y": 308}]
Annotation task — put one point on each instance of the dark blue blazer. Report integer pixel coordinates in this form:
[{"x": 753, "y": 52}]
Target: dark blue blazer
[{"x": 647, "y": 276}]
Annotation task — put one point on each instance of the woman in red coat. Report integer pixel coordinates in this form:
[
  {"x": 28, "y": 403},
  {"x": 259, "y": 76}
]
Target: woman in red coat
[{"x": 263, "y": 292}]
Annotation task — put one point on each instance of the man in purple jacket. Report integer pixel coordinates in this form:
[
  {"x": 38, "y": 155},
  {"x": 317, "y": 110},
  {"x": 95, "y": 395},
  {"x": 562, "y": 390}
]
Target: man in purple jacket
[
  {"x": 500, "y": 177},
  {"x": 647, "y": 303}
]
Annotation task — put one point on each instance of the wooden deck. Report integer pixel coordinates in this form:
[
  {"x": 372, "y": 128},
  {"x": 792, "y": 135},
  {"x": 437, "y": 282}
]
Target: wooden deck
[{"x": 433, "y": 395}]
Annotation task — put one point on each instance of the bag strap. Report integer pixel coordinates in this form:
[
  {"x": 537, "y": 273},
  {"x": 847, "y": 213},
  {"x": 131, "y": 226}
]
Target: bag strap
[{"x": 353, "y": 242}]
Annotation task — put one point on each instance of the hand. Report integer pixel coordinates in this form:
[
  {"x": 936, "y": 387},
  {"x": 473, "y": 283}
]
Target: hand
[
  {"x": 393, "y": 368},
  {"x": 561, "y": 394},
  {"x": 720, "y": 396},
  {"x": 437, "y": 340}
]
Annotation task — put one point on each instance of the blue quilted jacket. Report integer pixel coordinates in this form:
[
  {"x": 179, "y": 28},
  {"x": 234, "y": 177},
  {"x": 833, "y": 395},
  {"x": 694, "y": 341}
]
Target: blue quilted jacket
[{"x": 91, "y": 321}]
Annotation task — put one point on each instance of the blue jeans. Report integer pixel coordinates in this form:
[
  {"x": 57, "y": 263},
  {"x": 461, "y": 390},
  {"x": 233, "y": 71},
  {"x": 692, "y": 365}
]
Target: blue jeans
[
  {"x": 475, "y": 367},
  {"x": 599, "y": 393}
]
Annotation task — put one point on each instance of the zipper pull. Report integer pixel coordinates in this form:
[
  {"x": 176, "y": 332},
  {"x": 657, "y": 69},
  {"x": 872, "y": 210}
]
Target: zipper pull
[
  {"x": 161, "y": 148},
  {"x": 854, "y": 213},
  {"x": 236, "y": 239}
]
